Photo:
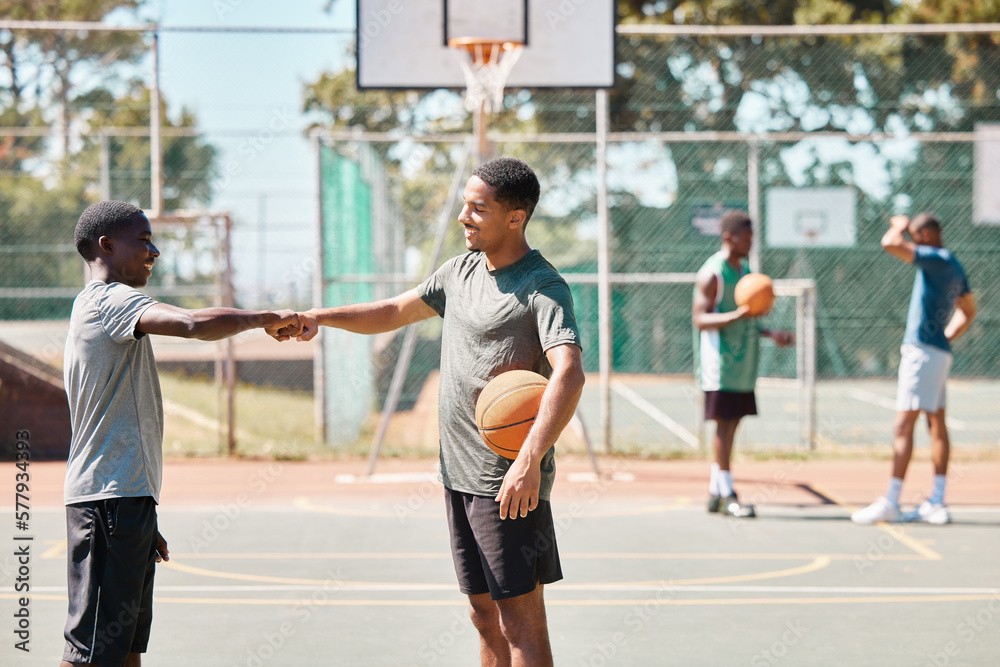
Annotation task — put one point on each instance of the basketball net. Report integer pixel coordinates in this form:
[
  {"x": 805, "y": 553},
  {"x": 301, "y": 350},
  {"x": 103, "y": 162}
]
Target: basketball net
[{"x": 486, "y": 65}]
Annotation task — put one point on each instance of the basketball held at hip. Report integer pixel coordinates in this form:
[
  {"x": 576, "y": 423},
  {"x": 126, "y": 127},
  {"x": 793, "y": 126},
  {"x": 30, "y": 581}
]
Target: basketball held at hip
[{"x": 507, "y": 408}]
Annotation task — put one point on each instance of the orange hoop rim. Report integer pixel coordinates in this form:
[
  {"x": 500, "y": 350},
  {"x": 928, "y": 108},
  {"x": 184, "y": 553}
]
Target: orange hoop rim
[{"x": 483, "y": 46}]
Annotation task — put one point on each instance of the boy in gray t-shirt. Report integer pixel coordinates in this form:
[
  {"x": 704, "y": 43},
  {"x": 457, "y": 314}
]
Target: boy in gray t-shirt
[
  {"x": 504, "y": 308},
  {"x": 115, "y": 461}
]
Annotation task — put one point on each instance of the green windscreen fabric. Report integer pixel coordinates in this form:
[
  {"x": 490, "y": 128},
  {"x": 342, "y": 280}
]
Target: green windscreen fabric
[{"x": 347, "y": 254}]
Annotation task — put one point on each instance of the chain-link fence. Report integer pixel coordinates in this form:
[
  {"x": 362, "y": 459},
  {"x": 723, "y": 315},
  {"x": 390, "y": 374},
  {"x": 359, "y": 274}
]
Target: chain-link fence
[{"x": 889, "y": 123}]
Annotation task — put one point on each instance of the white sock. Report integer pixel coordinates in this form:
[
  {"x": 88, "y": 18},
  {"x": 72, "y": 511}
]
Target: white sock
[
  {"x": 725, "y": 483},
  {"x": 937, "y": 495},
  {"x": 713, "y": 481},
  {"x": 895, "y": 488}
]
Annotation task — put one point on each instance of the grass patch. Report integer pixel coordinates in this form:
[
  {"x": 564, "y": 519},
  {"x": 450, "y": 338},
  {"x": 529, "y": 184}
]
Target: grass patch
[{"x": 272, "y": 423}]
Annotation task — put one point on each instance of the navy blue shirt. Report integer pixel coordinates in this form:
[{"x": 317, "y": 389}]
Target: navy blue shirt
[{"x": 940, "y": 281}]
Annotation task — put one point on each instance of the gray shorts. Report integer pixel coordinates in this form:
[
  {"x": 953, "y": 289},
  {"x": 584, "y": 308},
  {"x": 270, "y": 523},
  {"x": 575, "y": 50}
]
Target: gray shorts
[
  {"x": 111, "y": 557},
  {"x": 923, "y": 374}
]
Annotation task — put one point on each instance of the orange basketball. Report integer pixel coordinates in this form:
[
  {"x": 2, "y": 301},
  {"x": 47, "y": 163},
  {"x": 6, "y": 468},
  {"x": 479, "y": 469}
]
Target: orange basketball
[
  {"x": 507, "y": 408},
  {"x": 756, "y": 291}
]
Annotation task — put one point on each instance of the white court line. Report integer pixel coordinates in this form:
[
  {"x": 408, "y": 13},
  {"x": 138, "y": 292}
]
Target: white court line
[
  {"x": 388, "y": 478},
  {"x": 654, "y": 412},
  {"x": 878, "y": 400},
  {"x": 891, "y": 590},
  {"x": 593, "y": 477}
]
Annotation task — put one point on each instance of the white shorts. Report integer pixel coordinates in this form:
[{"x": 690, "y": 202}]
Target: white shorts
[{"x": 923, "y": 374}]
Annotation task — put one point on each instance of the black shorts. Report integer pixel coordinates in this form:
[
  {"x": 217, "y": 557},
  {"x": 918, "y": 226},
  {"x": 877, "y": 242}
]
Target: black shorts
[
  {"x": 729, "y": 404},
  {"x": 111, "y": 557},
  {"x": 502, "y": 557}
]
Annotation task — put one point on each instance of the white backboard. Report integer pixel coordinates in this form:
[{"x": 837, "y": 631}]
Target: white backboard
[
  {"x": 986, "y": 179},
  {"x": 402, "y": 43},
  {"x": 811, "y": 217}
]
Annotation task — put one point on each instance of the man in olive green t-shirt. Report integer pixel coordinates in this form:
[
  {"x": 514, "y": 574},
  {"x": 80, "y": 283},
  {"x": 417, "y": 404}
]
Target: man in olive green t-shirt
[
  {"x": 504, "y": 308},
  {"x": 726, "y": 353}
]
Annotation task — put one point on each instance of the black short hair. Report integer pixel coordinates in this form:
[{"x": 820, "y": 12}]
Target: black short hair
[
  {"x": 515, "y": 183},
  {"x": 106, "y": 218},
  {"x": 925, "y": 220},
  {"x": 733, "y": 221}
]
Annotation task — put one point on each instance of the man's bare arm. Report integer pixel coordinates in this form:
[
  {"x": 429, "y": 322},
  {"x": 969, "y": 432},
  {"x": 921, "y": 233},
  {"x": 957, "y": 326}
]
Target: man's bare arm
[
  {"x": 704, "y": 304},
  {"x": 212, "y": 323},
  {"x": 368, "y": 318},
  {"x": 519, "y": 491},
  {"x": 894, "y": 242},
  {"x": 961, "y": 320}
]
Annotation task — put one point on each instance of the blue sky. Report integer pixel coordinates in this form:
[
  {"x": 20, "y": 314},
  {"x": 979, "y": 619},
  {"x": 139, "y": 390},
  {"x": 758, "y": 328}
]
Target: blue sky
[{"x": 246, "y": 90}]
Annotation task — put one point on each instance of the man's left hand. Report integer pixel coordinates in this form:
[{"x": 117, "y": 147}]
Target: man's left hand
[
  {"x": 162, "y": 553},
  {"x": 782, "y": 338},
  {"x": 519, "y": 491}
]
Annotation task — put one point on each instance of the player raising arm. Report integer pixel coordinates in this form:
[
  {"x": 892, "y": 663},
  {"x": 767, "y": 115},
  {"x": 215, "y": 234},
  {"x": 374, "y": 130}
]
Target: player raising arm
[
  {"x": 115, "y": 459},
  {"x": 942, "y": 308}
]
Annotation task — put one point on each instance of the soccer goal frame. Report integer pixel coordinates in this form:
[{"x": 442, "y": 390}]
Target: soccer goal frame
[{"x": 804, "y": 293}]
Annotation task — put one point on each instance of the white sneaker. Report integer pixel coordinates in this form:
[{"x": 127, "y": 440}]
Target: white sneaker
[
  {"x": 935, "y": 513},
  {"x": 880, "y": 510}
]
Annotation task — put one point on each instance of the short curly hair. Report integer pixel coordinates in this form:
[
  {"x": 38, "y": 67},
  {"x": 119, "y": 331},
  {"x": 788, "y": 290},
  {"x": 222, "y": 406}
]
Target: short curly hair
[
  {"x": 515, "y": 183},
  {"x": 106, "y": 218},
  {"x": 733, "y": 221}
]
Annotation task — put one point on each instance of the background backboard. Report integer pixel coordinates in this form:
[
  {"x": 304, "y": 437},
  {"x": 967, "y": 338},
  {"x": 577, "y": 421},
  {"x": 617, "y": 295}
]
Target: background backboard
[
  {"x": 811, "y": 217},
  {"x": 403, "y": 43},
  {"x": 986, "y": 156}
]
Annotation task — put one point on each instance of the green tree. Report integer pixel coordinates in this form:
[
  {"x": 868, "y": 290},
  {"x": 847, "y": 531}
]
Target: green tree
[
  {"x": 43, "y": 66},
  {"x": 80, "y": 80}
]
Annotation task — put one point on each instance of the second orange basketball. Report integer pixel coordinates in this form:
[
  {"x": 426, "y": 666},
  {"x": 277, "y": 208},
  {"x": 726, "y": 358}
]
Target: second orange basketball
[
  {"x": 507, "y": 408},
  {"x": 756, "y": 292}
]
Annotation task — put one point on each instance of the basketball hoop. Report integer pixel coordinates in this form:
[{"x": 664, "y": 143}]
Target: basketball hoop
[{"x": 486, "y": 64}]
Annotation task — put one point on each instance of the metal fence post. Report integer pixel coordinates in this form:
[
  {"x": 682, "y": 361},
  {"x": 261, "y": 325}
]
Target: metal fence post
[
  {"x": 604, "y": 323},
  {"x": 753, "y": 201}
]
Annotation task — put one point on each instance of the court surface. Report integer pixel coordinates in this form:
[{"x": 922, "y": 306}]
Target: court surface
[
  {"x": 651, "y": 411},
  {"x": 305, "y": 563}
]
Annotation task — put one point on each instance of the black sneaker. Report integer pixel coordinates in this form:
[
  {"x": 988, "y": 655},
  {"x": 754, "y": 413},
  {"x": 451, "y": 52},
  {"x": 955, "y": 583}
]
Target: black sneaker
[
  {"x": 713, "y": 503},
  {"x": 732, "y": 506}
]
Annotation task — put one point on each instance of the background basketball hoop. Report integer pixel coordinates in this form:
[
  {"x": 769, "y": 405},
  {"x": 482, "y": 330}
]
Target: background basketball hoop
[{"x": 486, "y": 64}]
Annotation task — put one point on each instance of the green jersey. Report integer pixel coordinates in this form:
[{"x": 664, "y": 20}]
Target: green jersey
[{"x": 726, "y": 358}]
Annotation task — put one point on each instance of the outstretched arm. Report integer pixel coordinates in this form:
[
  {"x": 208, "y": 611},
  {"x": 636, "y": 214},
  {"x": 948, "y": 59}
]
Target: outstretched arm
[
  {"x": 212, "y": 323},
  {"x": 368, "y": 318},
  {"x": 519, "y": 491},
  {"x": 894, "y": 242},
  {"x": 961, "y": 320},
  {"x": 704, "y": 304}
]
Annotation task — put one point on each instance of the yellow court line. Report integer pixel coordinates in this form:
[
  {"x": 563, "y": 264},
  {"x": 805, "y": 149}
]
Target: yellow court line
[
  {"x": 305, "y": 504},
  {"x": 57, "y": 550},
  {"x": 609, "y": 555},
  {"x": 552, "y": 603},
  {"x": 314, "y": 556},
  {"x": 174, "y": 565},
  {"x": 756, "y": 601},
  {"x": 818, "y": 563},
  {"x": 893, "y": 531}
]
